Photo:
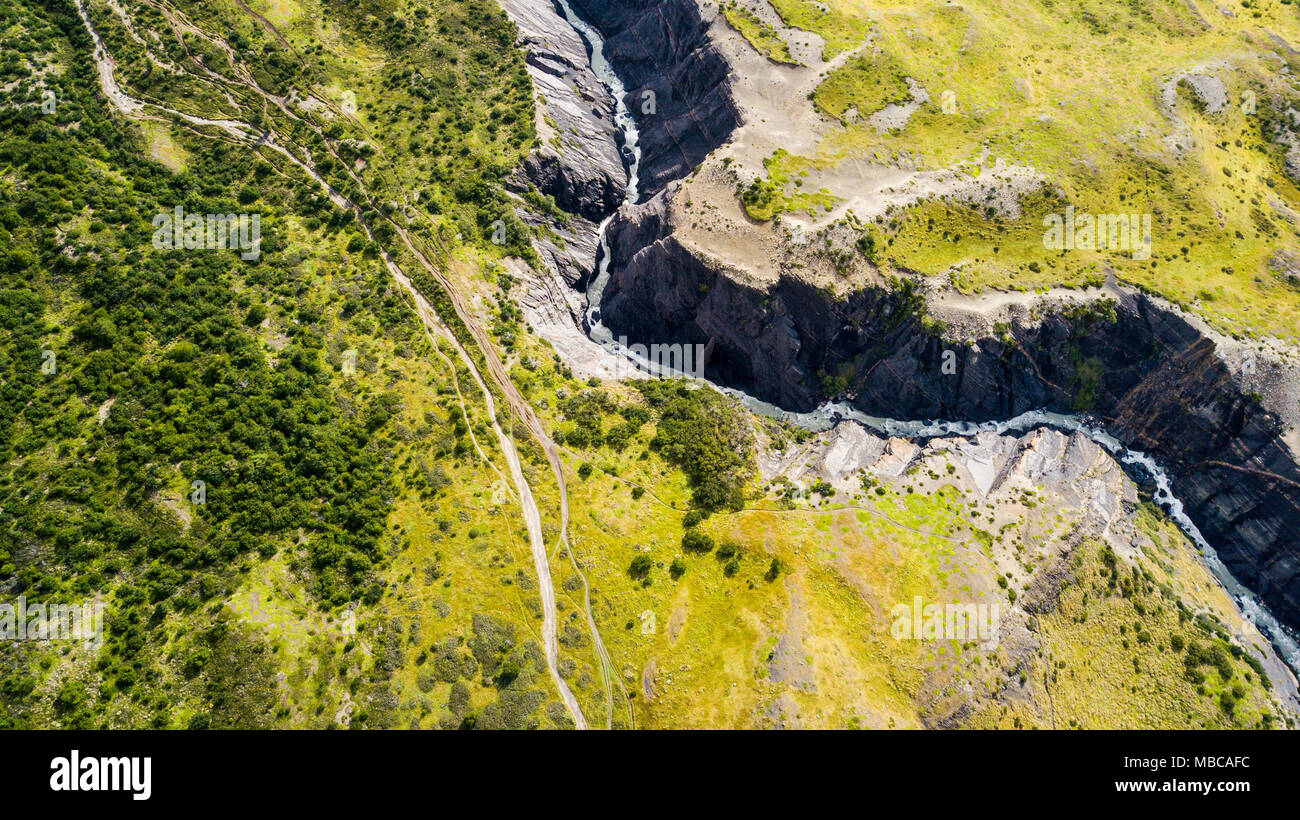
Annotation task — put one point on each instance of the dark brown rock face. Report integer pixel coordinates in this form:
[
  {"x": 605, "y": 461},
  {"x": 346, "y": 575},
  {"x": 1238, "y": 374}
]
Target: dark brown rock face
[
  {"x": 1141, "y": 370},
  {"x": 591, "y": 196},
  {"x": 586, "y": 178}
]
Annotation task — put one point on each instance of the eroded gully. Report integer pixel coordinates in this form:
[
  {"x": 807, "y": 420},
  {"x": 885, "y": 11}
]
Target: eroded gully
[{"x": 830, "y": 413}]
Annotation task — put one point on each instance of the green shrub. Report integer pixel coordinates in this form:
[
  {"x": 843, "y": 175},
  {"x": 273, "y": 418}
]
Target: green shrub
[
  {"x": 696, "y": 541},
  {"x": 774, "y": 570},
  {"x": 704, "y": 434},
  {"x": 640, "y": 566}
]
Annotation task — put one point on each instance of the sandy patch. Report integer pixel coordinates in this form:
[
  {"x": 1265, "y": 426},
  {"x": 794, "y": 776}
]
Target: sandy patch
[
  {"x": 104, "y": 409},
  {"x": 777, "y": 113},
  {"x": 788, "y": 662}
]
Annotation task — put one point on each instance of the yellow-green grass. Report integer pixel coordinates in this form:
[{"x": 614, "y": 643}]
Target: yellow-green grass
[
  {"x": 705, "y": 642},
  {"x": 461, "y": 553},
  {"x": 163, "y": 146},
  {"x": 1117, "y": 660},
  {"x": 765, "y": 39},
  {"x": 429, "y": 121},
  {"x": 1043, "y": 86},
  {"x": 867, "y": 84},
  {"x": 782, "y": 190},
  {"x": 842, "y": 24},
  {"x": 843, "y": 567},
  {"x": 712, "y": 633}
]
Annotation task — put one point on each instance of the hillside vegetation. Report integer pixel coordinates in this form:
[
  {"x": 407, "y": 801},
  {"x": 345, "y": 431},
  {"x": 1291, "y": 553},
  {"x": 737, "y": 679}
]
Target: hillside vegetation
[
  {"x": 1176, "y": 110},
  {"x": 283, "y": 480}
]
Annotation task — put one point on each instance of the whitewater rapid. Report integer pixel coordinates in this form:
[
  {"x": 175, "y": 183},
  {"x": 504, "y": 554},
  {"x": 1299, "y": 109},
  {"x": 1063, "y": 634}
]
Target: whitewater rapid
[{"x": 832, "y": 413}]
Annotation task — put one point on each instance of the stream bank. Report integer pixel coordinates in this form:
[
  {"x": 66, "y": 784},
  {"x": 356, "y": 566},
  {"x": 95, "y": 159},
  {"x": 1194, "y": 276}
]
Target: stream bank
[{"x": 1141, "y": 378}]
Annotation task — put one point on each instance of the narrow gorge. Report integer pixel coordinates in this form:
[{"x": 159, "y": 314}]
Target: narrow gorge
[{"x": 1154, "y": 377}]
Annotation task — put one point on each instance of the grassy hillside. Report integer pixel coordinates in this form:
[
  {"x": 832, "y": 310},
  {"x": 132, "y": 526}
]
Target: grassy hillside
[
  {"x": 1174, "y": 109},
  {"x": 776, "y": 611},
  {"x": 299, "y": 388}
]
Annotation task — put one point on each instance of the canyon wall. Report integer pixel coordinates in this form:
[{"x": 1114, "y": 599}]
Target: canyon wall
[
  {"x": 1143, "y": 371},
  {"x": 577, "y": 161}
]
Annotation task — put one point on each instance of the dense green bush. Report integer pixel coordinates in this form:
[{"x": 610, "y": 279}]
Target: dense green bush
[
  {"x": 706, "y": 436},
  {"x": 696, "y": 541}
]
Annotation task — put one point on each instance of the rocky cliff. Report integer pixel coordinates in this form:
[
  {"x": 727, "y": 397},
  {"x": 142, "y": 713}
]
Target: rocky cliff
[
  {"x": 1144, "y": 371},
  {"x": 577, "y": 162},
  {"x": 678, "y": 92}
]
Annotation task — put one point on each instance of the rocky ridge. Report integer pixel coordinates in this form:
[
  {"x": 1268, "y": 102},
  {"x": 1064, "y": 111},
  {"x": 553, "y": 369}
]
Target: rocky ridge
[
  {"x": 1039, "y": 495},
  {"x": 578, "y": 162},
  {"x": 1153, "y": 377}
]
